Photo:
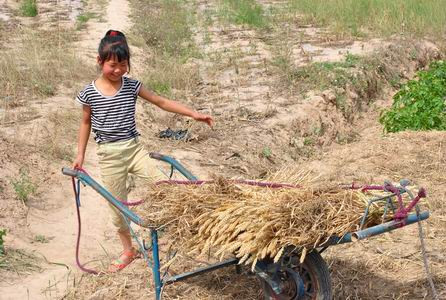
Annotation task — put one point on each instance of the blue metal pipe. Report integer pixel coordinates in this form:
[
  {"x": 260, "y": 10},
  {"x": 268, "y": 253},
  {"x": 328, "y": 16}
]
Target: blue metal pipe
[
  {"x": 156, "y": 265},
  {"x": 175, "y": 164},
  {"x": 375, "y": 230},
  {"x": 86, "y": 179},
  {"x": 389, "y": 226}
]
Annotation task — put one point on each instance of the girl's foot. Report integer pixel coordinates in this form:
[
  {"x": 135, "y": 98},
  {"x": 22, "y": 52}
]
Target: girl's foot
[{"x": 124, "y": 260}]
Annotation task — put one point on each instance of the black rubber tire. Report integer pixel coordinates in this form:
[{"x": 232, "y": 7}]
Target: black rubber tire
[{"x": 315, "y": 275}]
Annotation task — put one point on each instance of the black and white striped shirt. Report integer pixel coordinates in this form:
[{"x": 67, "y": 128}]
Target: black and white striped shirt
[{"x": 112, "y": 117}]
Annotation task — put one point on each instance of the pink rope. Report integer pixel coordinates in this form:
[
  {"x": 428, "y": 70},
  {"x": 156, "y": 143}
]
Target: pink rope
[
  {"x": 402, "y": 211},
  {"x": 236, "y": 181}
]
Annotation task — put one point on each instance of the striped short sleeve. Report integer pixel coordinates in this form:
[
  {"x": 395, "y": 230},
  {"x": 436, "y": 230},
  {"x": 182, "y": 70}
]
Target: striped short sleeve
[
  {"x": 82, "y": 97},
  {"x": 136, "y": 86}
]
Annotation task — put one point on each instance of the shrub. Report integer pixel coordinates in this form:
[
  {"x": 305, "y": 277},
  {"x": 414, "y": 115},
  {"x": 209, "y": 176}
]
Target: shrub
[{"x": 420, "y": 104}]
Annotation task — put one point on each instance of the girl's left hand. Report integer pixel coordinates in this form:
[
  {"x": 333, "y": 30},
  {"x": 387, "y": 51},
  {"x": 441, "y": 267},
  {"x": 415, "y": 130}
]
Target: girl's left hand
[{"x": 203, "y": 118}]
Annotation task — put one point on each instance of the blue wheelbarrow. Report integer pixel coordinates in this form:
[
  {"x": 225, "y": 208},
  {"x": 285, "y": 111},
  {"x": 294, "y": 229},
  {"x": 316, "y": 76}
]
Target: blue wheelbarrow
[{"x": 287, "y": 279}]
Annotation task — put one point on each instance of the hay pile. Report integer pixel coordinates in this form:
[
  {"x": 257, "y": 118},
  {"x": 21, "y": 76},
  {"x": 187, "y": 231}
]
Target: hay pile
[{"x": 253, "y": 222}]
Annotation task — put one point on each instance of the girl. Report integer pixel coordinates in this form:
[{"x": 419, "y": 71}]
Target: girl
[{"x": 108, "y": 105}]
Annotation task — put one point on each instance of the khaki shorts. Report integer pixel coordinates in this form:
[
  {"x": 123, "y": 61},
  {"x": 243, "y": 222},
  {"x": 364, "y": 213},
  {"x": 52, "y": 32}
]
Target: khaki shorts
[{"x": 119, "y": 159}]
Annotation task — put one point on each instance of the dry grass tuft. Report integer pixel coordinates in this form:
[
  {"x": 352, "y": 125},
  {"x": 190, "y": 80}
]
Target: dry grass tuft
[
  {"x": 19, "y": 262},
  {"x": 39, "y": 64}
]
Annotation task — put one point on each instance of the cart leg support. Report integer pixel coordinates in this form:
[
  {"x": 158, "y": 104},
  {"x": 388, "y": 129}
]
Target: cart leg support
[{"x": 156, "y": 264}]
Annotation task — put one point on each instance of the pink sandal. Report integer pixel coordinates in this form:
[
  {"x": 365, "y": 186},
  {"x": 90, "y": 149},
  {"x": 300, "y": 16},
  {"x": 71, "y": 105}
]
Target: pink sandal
[{"x": 124, "y": 260}]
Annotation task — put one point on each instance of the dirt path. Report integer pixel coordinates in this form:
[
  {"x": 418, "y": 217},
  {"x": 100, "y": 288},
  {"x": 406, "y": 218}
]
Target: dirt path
[{"x": 60, "y": 224}]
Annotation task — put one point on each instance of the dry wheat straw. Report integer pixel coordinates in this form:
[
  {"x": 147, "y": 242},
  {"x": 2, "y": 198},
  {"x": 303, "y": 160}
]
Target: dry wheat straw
[{"x": 251, "y": 222}]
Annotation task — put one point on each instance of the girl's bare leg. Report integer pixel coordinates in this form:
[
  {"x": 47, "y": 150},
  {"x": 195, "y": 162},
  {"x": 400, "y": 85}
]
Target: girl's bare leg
[{"x": 126, "y": 239}]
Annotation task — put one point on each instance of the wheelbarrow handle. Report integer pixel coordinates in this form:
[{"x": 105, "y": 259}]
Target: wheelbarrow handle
[
  {"x": 69, "y": 172},
  {"x": 174, "y": 164},
  {"x": 156, "y": 155}
]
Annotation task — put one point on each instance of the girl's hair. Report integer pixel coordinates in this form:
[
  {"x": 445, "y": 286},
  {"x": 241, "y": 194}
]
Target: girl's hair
[{"x": 114, "y": 44}]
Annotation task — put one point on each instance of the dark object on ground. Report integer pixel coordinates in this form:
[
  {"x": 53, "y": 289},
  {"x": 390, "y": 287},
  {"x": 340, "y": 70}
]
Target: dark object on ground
[{"x": 173, "y": 134}]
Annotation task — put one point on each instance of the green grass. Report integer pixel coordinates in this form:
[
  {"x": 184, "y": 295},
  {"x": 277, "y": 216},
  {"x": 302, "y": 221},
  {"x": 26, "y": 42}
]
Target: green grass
[
  {"x": 374, "y": 17},
  {"x": 247, "y": 12},
  {"x": 23, "y": 186},
  {"x": 28, "y": 8}
]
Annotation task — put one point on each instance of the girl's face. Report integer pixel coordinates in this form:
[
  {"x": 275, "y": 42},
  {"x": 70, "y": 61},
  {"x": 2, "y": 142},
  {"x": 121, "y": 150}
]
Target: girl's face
[{"x": 113, "y": 69}]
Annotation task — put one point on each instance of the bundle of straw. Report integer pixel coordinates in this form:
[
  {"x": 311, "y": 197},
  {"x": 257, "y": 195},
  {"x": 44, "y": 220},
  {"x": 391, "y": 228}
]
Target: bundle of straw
[{"x": 253, "y": 222}]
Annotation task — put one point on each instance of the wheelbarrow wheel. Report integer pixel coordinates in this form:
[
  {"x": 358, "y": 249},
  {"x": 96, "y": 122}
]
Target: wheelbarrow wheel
[
  {"x": 290, "y": 284},
  {"x": 314, "y": 275}
]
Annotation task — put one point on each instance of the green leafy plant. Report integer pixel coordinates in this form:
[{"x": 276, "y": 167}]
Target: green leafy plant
[
  {"x": 2, "y": 243},
  {"x": 23, "y": 186},
  {"x": 28, "y": 8},
  {"x": 420, "y": 104}
]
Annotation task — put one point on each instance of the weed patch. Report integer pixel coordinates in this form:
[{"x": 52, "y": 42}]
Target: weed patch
[
  {"x": 23, "y": 186},
  {"x": 28, "y": 8},
  {"x": 420, "y": 104},
  {"x": 247, "y": 12}
]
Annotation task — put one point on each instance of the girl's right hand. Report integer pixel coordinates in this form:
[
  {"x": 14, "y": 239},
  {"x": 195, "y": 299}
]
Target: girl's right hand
[{"x": 78, "y": 162}]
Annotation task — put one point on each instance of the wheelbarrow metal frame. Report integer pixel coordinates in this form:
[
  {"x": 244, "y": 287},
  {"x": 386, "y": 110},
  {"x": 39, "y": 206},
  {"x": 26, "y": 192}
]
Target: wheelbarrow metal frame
[{"x": 175, "y": 165}]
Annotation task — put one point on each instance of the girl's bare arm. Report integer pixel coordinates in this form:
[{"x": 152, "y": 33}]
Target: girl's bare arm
[
  {"x": 173, "y": 106},
  {"x": 84, "y": 134}
]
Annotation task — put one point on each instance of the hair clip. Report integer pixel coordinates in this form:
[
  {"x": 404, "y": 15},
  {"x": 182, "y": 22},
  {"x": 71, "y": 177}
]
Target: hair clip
[{"x": 113, "y": 33}]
